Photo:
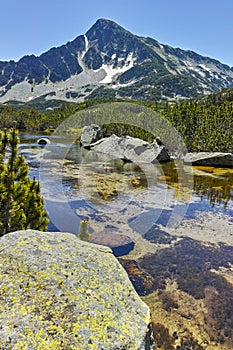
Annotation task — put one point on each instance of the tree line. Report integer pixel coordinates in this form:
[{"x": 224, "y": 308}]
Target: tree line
[{"x": 205, "y": 124}]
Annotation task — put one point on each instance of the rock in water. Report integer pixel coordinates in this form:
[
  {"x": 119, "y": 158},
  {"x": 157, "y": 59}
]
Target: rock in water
[
  {"x": 210, "y": 159},
  {"x": 90, "y": 134},
  {"x": 58, "y": 292},
  {"x": 43, "y": 141},
  {"x": 120, "y": 244},
  {"x": 131, "y": 149}
]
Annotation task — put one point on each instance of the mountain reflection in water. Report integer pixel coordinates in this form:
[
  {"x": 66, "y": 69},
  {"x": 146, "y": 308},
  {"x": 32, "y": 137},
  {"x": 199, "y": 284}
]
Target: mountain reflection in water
[
  {"x": 215, "y": 184},
  {"x": 211, "y": 187}
]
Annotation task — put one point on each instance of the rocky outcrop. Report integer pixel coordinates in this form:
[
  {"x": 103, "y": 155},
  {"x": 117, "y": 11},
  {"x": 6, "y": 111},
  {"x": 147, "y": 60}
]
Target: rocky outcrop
[
  {"x": 90, "y": 134},
  {"x": 58, "y": 292},
  {"x": 131, "y": 149},
  {"x": 215, "y": 159}
]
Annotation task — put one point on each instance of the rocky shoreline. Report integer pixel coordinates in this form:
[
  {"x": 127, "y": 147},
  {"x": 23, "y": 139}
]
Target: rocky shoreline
[{"x": 136, "y": 150}]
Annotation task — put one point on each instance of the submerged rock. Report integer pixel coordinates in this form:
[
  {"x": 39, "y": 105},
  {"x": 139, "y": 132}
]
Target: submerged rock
[
  {"x": 120, "y": 244},
  {"x": 131, "y": 149},
  {"x": 210, "y": 159},
  {"x": 58, "y": 292}
]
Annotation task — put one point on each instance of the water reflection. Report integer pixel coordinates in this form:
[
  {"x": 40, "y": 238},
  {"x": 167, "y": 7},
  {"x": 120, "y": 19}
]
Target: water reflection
[
  {"x": 215, "y": 184},
  {"x": 109, "y": 180},
  {"x": 212, "y": 184},
  {"x": 217, "y": 188}
]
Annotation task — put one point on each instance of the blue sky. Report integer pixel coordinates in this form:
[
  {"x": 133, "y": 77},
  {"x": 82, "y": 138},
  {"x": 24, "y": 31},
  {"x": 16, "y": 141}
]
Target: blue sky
[{"x": 34, "y": 26}]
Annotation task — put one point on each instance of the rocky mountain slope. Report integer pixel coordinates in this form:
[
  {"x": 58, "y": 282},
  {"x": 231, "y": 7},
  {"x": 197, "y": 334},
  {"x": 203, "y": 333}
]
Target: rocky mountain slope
[{"x": 109, "y": 61}]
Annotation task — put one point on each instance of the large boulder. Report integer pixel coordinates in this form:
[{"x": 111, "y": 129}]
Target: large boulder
[
  {"x": 215, "y": 159},
  {"x": 131, "y": 149},
  {"x": 58, "y": 292},
  {"x": 90, "y": 134}
]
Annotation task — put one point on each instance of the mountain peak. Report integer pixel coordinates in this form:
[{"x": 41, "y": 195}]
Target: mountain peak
[
  {"x": 106, "y": 26},
  {"x": 110, "y": 61},
  {"x": 104, "y": 22}
]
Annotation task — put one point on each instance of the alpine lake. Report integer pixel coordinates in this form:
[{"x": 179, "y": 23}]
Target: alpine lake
[{"x": 178, "y": 218}]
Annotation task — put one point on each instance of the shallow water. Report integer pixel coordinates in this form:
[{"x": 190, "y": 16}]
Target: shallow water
[
  {"x": 101, "y": 189},
  {"x": 180, "y": 218}
]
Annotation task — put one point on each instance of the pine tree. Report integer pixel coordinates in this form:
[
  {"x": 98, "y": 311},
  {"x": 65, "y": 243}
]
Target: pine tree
[
  {"x": 21, "y": 204},
  {"x": 83, "y": 231}
]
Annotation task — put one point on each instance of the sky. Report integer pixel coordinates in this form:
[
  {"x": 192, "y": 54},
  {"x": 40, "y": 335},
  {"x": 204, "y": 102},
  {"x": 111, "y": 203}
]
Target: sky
[{"x": 34, "y": 26}]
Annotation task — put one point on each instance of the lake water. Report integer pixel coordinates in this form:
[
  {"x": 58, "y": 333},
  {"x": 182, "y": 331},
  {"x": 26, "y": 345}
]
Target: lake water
[
  {"x": 180, "y": 218},
  {"x": 79, "y": 184}
]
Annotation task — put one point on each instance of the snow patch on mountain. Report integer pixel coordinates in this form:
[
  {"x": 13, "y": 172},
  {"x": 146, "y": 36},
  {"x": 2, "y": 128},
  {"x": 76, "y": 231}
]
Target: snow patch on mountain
[
  {"x": 205, "y": 67},
  {"x": 117, "y": 86},
  {"x": 199, "y": 71},
  {"x": 86, "y": 46},
  {"x": 112, "y": 71},
  {"x": 75, "y": 86}
]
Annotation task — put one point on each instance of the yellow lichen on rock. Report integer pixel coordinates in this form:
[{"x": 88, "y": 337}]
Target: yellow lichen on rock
[{"x": 58, "y": 292}]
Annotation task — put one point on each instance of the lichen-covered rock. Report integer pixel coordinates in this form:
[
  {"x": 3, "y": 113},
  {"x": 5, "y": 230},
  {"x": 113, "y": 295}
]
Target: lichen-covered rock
[{"x": 58, "y": 292}]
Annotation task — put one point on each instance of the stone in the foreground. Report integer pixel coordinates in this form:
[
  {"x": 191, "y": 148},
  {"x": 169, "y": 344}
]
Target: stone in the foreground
[
  {"x": 210, "y": 159},
  {"x": 58, "y": 292}
]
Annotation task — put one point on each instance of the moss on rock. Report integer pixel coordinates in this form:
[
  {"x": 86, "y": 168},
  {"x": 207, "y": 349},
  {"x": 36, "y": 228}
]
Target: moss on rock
[{"x": 58, "y": 292}]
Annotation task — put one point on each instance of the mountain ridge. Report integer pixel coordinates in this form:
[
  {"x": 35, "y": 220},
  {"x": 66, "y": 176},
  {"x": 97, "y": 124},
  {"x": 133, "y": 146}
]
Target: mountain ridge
[{"x": 110, "y": 61}]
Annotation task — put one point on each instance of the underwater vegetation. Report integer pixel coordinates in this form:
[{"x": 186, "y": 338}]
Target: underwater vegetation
[{"x": 200, "y": 271}]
